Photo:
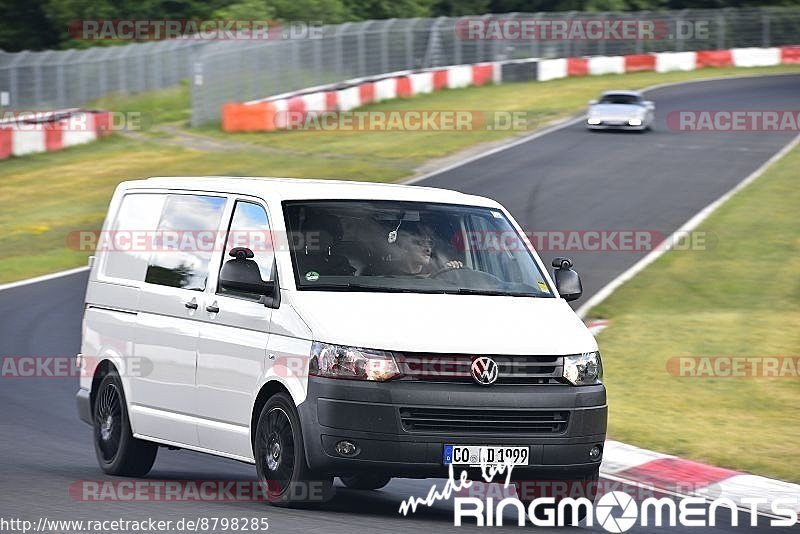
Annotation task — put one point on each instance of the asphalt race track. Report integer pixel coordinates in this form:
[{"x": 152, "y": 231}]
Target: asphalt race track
[{"x": 570, "y": 179}]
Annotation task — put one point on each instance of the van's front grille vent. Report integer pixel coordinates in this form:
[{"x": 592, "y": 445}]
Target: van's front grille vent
[
  {"x": 512, "y": 370},
  {"x": 484, "y": 421}
]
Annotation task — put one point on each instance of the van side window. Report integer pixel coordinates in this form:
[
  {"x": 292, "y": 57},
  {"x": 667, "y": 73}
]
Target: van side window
[
  {"x": 184, "y": 241},
  {"x": 126, "y": 253},
  {"x": 250, "y": 228}
]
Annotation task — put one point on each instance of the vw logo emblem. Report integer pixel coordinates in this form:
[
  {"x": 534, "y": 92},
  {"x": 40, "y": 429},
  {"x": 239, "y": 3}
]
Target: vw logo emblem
[{"x": 484, "y": 370}]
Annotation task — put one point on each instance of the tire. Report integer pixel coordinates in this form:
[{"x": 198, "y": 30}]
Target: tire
[
  {"x": 587, "y": 487},
  {"x": 280, "y": 458},
  {"x": 366, "y": 481},
  {"x": 118, "y": 452}
]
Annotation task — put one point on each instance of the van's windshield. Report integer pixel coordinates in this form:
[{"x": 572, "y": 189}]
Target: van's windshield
[{"x": 391, "y": 246}]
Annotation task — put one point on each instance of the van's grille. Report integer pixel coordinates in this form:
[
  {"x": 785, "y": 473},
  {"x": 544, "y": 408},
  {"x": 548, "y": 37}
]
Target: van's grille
[
  {"x": 512, "y": 370},
  {"x": 484, "y": 421}
]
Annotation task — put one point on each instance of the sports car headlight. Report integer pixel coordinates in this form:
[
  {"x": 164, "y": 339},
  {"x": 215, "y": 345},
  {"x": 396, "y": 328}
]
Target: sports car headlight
[
  {"x": 337, "y": 361},
  {"x": 583, "y": 369}
]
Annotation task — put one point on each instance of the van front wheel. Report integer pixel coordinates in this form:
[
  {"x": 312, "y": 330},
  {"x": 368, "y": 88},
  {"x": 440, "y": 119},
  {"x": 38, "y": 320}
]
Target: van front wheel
[
  {"x": 280, "y": 457},
  {"x": 118, "y": 452}
]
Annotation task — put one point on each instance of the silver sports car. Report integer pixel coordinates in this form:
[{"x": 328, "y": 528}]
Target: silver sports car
[{"x": 624, "y": 110}]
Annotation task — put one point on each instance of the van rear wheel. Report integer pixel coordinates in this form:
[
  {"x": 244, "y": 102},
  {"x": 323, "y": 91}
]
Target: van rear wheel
[
  {"x": 118, "y": 452},
  {"x": 280, "y": 458},
  {"x": 365, "y": 481}
]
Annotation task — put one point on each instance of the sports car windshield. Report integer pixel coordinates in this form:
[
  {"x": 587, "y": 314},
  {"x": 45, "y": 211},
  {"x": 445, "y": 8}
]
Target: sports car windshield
[
  {"x": 390, "y": 246},
  {"x": 620, "y": 99}
]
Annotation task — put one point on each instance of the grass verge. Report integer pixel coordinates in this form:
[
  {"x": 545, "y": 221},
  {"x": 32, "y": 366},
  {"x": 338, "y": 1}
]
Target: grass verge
[
  {"x": 739, "y": 298},
  {"x": 45, "y": 196}
]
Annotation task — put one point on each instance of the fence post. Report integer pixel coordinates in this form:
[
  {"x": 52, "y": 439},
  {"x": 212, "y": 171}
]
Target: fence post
[
  {"x": 13, "y": 85},
  {"x": 720, "y": 20},
  {"x": 385, "y": 44},
  {"x": 361, "y": 45},
  {"x": 340, "y": 47},
  {"x": 196, "y": 93},
  {"x": 410, "y": 44}
]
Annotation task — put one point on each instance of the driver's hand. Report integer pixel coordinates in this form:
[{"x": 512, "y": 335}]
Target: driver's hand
[{"x": 454, "y": 264}]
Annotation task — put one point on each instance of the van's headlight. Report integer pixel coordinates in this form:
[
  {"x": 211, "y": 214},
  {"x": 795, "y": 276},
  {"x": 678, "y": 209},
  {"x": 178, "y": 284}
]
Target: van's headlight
[
  {"x": 583, "y": 369},
  {"x": 337, "y": 361}
]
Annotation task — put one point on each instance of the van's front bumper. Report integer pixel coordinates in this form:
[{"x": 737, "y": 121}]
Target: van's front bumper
[{"x": 369, "y": 415}]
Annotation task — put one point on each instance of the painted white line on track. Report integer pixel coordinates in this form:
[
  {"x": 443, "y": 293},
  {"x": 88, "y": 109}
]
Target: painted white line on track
[
  {"x": 688, "y": 226},
  {"x": 43, "y": 278},
  {"x": 673, "y": 493},
  {"x": 568, "y": 121},
  {"x": 512, "y": 143}
]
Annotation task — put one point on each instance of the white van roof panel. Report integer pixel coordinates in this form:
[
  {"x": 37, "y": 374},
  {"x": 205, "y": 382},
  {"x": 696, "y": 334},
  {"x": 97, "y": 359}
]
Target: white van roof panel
[{"x": 308, "y": 189}]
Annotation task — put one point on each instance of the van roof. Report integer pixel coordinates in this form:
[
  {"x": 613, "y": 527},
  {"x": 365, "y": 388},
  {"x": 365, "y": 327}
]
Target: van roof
[{"x": 308, "y": 189}]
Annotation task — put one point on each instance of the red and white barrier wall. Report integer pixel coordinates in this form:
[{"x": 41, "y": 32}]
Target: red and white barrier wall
[
  {"x": 33, "y": 132},
  {"x": 270, "y": 113},
  {"x": 662, "y": 472}
]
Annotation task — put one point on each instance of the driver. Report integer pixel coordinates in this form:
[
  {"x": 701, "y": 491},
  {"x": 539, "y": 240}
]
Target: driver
[{"x": 416, "y": 252}]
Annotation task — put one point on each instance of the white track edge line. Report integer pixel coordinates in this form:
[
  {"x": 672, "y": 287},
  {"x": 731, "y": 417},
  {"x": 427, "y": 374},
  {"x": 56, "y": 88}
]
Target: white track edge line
[
  {"x": 567, "y": 121},
  {"x": 688, "y": 226},
  {"x": 43, "y": 278},
  {"x": 673, "y": 493},
  {"x": 561, "y": 124}
]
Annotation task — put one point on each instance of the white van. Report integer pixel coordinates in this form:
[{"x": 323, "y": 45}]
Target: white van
[{"x": 322, "y": 329}]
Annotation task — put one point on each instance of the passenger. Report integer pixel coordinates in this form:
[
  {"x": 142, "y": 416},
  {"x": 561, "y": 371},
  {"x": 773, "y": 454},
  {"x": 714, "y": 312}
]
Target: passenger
[{"x": 321, "y": 233}]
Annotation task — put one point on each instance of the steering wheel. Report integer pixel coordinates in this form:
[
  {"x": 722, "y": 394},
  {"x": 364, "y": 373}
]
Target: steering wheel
[{"x": 446, "y": 269}]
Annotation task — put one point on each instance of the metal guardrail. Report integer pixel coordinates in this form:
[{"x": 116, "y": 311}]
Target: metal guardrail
[{"x": 241, "y": 70}]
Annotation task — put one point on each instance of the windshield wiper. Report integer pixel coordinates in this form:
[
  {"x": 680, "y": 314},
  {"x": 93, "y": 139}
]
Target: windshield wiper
[
  {"x": 351, "y": 285},
  {"x": 469, "y": 291},
  {"x": 389, "y": 289}
]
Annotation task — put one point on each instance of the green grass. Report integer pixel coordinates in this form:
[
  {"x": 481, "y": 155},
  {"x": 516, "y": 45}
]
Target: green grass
[
  {"x": 46, "y": 196},
  {"x": 543, "y": 102},
  {"x": 157, "y": 107},
  {"x": 740, "y": 297}
]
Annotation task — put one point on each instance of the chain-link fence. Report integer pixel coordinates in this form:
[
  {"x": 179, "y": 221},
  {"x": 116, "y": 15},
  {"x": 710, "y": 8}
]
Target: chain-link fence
[
  {"x": 241, "y": 70},
  {"x": 71, "y": 78}
]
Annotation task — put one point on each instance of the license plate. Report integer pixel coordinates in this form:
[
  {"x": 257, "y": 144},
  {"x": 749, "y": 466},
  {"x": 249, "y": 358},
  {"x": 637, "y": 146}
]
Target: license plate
[{"x": 474, "y": 455}]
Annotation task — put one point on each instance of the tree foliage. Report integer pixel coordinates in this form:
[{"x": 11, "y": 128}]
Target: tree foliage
[{"x": 40, "y": 24}]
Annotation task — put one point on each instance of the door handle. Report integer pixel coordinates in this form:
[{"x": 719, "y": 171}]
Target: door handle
[
  {"x": 192, "y": 304},
  {"x": 213, "y": 308}
]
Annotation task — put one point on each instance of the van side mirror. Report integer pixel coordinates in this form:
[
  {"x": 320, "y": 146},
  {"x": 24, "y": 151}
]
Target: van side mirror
[
  {"x": 592, "y": 102},
  {"x": 567, "y": 281},
  {"x": 649, "y": 104},
  {"x": 242, "y": 274}
]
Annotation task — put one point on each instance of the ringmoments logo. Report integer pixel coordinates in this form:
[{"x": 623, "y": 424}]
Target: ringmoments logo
[{"x": 616, "y": 511}]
